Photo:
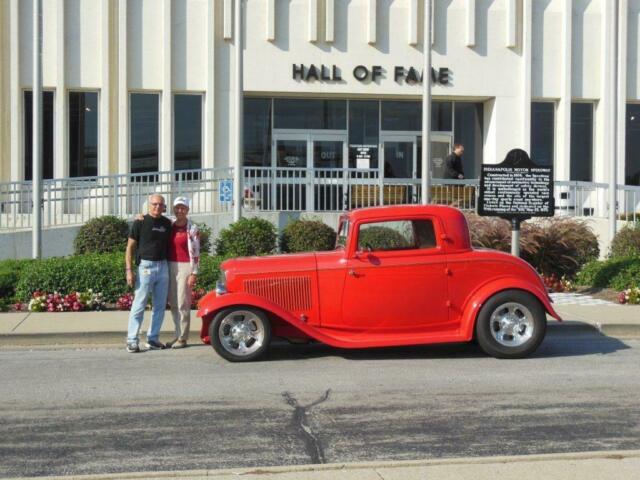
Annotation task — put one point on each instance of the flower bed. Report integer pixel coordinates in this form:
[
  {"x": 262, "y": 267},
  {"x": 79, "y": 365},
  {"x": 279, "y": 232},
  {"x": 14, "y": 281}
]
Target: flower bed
[{"x": 71, "y": 302}]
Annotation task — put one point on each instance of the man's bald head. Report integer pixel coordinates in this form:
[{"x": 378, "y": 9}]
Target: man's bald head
[{"x": 156, "y": 205}]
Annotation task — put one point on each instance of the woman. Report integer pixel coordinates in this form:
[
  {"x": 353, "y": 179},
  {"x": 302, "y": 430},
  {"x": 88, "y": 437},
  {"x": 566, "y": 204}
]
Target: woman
[{"x": 184, "y": 259}]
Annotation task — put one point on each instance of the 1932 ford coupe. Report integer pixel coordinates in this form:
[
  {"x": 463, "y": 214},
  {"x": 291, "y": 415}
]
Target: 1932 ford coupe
[{"x": 399, "y": 275}]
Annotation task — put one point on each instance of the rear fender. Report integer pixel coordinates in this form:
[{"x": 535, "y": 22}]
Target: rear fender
[
  {"x": 479, "y": 297},
  {"x": 213, "y": 303}
]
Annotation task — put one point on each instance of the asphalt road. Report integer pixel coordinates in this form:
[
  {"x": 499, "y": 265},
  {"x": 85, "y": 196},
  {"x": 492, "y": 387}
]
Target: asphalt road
[{"x": 101, "y": 410}]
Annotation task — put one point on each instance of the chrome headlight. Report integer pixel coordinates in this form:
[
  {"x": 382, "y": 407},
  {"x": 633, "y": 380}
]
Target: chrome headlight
[{"x": 221, "y": 283}]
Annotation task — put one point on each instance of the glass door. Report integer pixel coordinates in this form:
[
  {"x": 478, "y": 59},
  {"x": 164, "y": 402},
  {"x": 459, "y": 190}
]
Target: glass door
[
  {"x": 440, "y": 148},
  {"x": 328, "y": 162},
  {"x": 307, "y": 170},
  {"x": 289, "y": 172},
  {"x": 398, "y": 168}
]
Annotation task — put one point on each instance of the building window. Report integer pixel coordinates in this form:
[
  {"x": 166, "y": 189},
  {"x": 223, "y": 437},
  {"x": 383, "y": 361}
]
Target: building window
[
  {"x": 468, "y": 126},
  {"x": 582, "y": 142},
  {"x": 310, "y": 114},
  {"x": 401, "y": 116},
  {"x": 364, "y": 133},
  {"x": 542, "y": 128},
  {"x": 632, "y": 156},
  {"x": 187, "y": 132},
  {"x": 441, "y": 116},
  {"x": 144, "y": 132},
  {"x": 83, "y": 134},
  {"x": 47, "y": 135},
  {"x": 257, "y": 132}
]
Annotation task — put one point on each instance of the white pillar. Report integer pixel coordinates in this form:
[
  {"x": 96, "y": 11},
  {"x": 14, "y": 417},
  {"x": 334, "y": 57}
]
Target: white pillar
[
  {"x": 562, "y": 167},
  {"x": 527, "y": 26},
  {"x": 36, "y": 242},
  {"x": 104, "y": 104},
  {"x": 608, "y": 102},
  {"x": 426, "y": 105},
  {"x": 210, "y": 93},
  {"x": 329, "y": 14},
  {"x": 61, "y": 124},
  {"x": 166, "y": 112},
  {"x": 124, "y": 163},
  {"x": 15, "y": 93},
  {"x": 238, "y": 133},
  {"x": 621, "y": 101}
]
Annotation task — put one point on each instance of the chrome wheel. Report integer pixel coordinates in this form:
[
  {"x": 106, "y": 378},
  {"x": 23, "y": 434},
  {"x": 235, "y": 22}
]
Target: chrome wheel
[
  {"x": 511, "y": 324},
  {"x": 241, "y": 333}
]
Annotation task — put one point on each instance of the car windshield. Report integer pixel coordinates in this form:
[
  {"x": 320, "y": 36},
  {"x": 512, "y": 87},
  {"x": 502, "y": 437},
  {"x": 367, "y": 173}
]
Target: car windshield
[{"x": 343, "y": 230}]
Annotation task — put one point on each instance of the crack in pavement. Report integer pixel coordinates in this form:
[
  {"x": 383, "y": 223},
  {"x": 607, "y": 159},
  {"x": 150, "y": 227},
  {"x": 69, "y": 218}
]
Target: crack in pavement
[{"x": 312, "y": 444}]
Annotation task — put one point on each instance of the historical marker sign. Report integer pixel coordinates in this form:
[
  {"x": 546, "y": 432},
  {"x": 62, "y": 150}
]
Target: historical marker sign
[{"x": 517, "y": 188}]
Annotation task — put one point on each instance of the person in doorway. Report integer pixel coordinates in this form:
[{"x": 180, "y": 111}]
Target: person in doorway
[
  {"x": 149, "y": 239},
  {"x": 184, "y": 259},
  {"x": 453, "y": 163}
]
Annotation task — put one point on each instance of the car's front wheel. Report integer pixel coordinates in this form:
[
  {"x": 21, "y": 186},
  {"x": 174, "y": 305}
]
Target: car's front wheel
[
  {"x": 511, "y": 324},
  {"x": 240, "y": 334}
]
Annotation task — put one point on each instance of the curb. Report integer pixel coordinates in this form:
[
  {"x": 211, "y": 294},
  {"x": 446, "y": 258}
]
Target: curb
[
  {"x": 274, "y": 472},
  {"x": 617, "y": 330}
]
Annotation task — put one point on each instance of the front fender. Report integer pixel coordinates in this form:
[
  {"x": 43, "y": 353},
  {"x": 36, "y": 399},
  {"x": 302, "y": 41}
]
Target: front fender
[
  {"x": 478, "y": 298},
  {"x": 212, "y": 303}
]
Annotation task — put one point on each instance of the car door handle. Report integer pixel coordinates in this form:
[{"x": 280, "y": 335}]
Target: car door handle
[{"x": 353, "y": 273}]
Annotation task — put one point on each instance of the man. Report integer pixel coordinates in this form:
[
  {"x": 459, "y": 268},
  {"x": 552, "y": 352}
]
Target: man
[
  {"x": 149, "y": 238},
  {"x": 453, "y": 163}
]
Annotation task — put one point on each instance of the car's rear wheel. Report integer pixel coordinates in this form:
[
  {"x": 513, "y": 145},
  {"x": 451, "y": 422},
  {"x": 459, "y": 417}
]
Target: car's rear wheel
[
  {"x": 240, "y": 334},
  {"x": 511, "y": 324}
]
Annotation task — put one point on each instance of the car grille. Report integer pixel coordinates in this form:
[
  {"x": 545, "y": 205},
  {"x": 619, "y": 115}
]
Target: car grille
[{"x": 291, "y": 293}]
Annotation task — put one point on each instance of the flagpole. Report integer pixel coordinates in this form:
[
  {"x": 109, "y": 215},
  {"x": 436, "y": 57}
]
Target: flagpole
[{"x": 426, "y": 105}]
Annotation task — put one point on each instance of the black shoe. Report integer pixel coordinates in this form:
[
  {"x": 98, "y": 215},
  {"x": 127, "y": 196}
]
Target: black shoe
[
  {"x": 154, "y": 345},
  {"x": 133, "y": 347}
]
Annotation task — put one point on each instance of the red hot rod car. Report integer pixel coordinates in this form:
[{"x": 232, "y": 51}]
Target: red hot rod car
[{"x": 401, "y": 275}]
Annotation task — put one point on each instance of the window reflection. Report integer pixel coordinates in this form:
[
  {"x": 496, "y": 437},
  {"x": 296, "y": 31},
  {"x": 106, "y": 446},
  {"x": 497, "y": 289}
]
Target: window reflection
[
  {"x": 187, "y": 136},
  {"x": 310, "y": 114},
  {"x": 83, "y": 134},
  {"x": 47, "y": 135},
  {"x": 582, "y": 142},
  {"x": 542, "y": 130},
  {"x": 144, "y": 132},
  {"x": 632, "y": 164}
]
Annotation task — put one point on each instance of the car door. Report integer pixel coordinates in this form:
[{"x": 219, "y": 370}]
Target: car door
[{"x": 396, "y": 280}]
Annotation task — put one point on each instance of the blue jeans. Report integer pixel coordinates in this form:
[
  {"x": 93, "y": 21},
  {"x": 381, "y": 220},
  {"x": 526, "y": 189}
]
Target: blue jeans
[{"x": 152, "y": 278}]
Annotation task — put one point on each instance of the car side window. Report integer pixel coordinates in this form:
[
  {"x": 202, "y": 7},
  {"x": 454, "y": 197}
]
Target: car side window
[{"x": 396, "y": 235}]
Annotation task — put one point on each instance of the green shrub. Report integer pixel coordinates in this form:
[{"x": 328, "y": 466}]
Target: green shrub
[
  {"x": 205, "y": 237},
  {"x": 307, "y": 236},
  {"x": 209, "y": 272},
  {"x": 559, "y": 246},
  {"x": 381, "y": 238},
  {"x": 626, "y": 242},
  {"x": 103, "y": 273},
  {"x": 102, "y": 235},
  {"x": 617, "y": 273},
  {"x": 10, "y": 271},
  {"x": 247, "y": 236}
]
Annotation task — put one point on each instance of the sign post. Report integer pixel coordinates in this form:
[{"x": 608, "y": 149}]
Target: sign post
[{"x": 516, "y": 189}]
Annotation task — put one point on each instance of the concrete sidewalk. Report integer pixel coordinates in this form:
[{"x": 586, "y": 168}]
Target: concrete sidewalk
[
  {"x": 110, "y": 327},
  {"x": 614, "y": 465}
]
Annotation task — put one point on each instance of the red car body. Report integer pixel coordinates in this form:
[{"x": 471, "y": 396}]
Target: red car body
[{"x": 355, "y": 297}]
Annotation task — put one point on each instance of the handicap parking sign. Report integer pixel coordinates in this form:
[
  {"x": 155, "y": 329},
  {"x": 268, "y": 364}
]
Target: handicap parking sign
[{"x": 226, "y": 191}]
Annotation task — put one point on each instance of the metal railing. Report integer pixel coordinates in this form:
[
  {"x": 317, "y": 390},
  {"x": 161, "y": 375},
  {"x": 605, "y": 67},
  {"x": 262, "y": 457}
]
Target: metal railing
[{"x": 73, "y": 201}]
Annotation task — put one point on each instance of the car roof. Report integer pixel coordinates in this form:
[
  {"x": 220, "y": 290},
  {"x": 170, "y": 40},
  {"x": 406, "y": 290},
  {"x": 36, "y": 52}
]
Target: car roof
[
  {"x": 453, "y": 220},
  {"x": 443, "y": 211}
]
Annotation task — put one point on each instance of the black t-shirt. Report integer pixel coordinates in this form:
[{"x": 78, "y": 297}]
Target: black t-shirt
[{"x": 152, "y": 235}]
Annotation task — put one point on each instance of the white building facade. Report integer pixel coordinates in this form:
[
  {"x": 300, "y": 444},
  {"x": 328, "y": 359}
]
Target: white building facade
[{"x": 139, "y": 86}]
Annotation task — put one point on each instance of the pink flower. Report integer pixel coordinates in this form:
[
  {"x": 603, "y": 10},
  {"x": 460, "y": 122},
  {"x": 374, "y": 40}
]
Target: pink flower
[{"x": 622, "y": 298}]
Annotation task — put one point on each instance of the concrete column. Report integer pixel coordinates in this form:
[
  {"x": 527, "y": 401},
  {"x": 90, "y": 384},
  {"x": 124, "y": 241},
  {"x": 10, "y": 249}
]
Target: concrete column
[
  {"x": 606, "y": 113},
  {"x": 15, "y": 93},
  {"x": 621, "y": 100},
  {"x": 166, "y": 115},
  {"x": 512, "y": 23},
  {"x": 313, "y": 21},
  {"x": 61, "y": 123},
  {"x": 372, "y": 19},
  {"x": 104, "y": 109},
  {"x": 562, "y": 167},
  {"x": 124, "y": 162},
  {"x": 5, "y": 139},
  {"x": 210, "y": 93},
  {"x": 329, "y": 28},
  {"x": 471, "y": 23},
  {"x": 227, "y": 20},
  {"x": 527, "y": 27},
  {"x": 271, "y": 20}
]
